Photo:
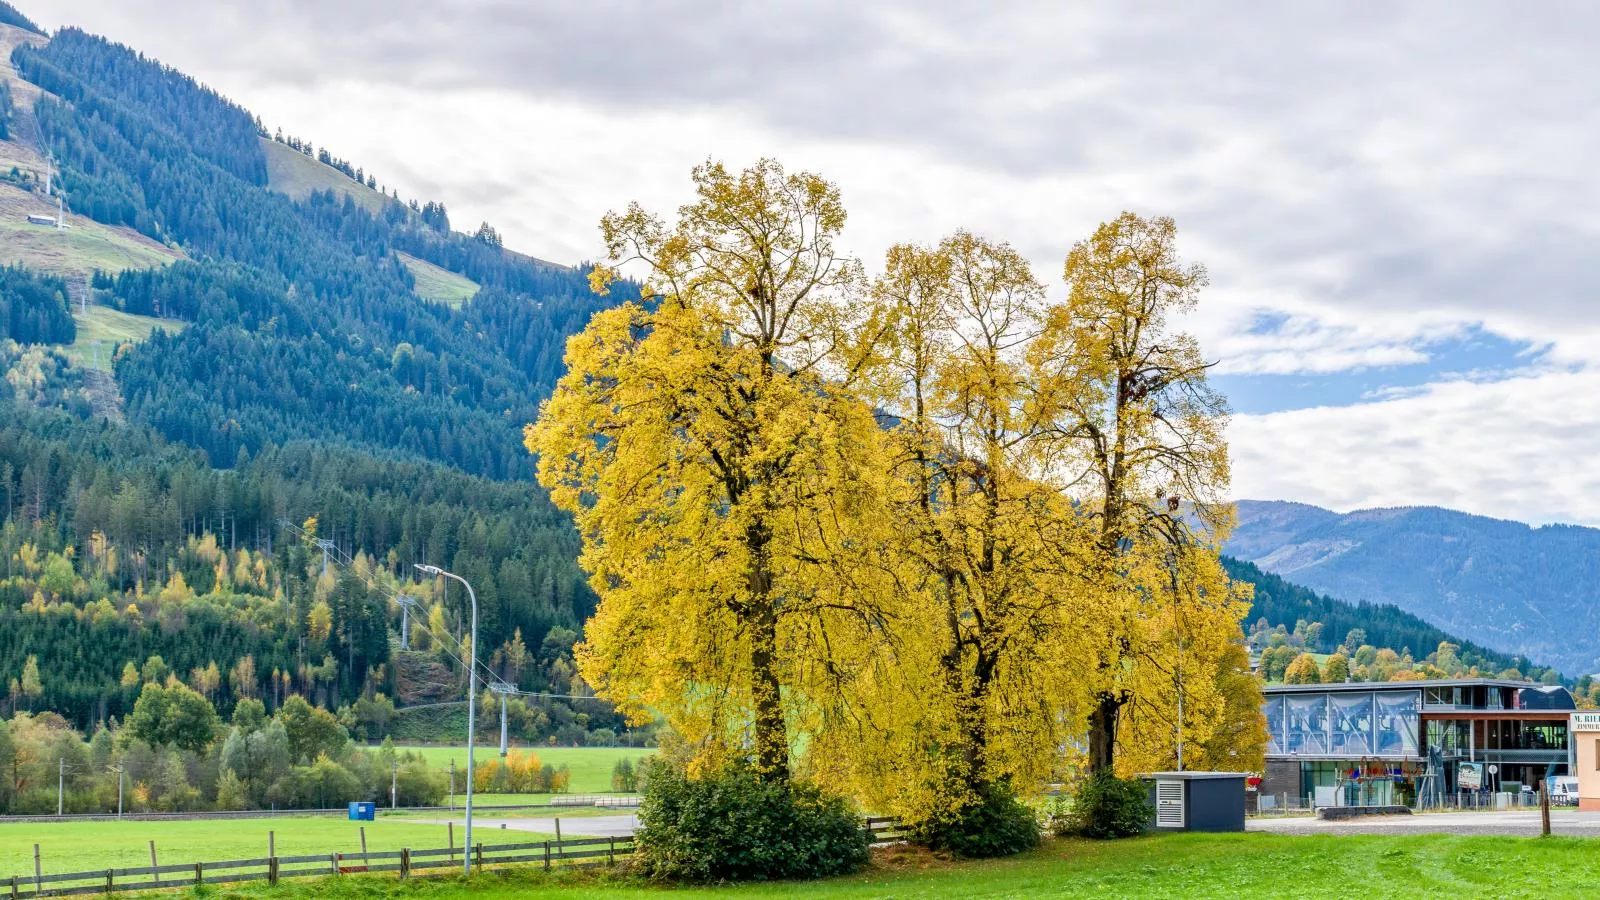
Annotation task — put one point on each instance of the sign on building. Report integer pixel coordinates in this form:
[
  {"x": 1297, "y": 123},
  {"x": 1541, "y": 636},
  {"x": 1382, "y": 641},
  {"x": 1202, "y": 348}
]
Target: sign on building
[
  {"x": 1469, "y": 776},
  {"x": 1585, "y": 721}
]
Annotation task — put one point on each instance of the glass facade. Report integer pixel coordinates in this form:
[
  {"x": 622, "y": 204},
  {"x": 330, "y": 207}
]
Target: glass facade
[{"x": 1345, "y": 724}]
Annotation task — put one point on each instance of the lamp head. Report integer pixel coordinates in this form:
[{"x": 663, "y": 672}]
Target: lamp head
[{"x": 426, "y": 569}]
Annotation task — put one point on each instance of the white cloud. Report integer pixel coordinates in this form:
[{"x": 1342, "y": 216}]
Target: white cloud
[
  {"x": 1518, "y": 448},
  {"x": 1371, "y": 180}
]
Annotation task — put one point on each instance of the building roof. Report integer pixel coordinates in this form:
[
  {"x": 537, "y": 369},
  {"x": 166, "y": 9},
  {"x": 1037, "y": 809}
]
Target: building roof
[{"x": 1396, "y": 685}]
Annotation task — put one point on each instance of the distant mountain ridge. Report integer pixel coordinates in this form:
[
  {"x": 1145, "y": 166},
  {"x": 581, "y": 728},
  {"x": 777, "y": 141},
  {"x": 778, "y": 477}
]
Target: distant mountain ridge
[{"x": 1515, "y": 588}]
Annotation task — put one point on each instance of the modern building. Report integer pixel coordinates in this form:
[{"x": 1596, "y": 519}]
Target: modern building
[
  {"x": 1409, "y": 742},
  {"x": 1585, "y": 734}
]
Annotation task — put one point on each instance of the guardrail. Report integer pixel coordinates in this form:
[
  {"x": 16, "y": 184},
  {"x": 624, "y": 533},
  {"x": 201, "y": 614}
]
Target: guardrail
[{"x": 405, "y": 863}]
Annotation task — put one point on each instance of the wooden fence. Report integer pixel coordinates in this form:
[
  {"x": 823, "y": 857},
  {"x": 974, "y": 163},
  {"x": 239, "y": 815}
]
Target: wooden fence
[{"x": 404, "y": 863}]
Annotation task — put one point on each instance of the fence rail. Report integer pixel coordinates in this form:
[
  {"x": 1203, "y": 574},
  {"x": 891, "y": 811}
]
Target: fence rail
[{"x": 405, "y": 862}]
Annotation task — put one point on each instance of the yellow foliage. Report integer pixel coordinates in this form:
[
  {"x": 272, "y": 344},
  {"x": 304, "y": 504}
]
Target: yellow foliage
[
  {"x": 945, "y": 533},
  {"x": 704, "y": 448},
  {"x": 319, "y": 621}
]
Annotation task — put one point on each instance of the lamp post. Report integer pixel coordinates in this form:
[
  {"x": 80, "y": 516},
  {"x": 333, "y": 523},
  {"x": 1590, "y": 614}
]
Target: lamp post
[{"x": 472, "y": 700}]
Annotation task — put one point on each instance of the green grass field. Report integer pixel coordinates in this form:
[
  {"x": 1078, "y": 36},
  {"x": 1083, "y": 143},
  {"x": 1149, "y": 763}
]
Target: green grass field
[
  {"x": 590, "y": 766},
  {"x": 77, "y": 251},
  {"x": 434, "y": 283},
  {"x": 83, "y": 846},
  {"x": 1169, "y": 866},
  {"x": 109, "y": 327},
  {"x": 291, "y": 172}
]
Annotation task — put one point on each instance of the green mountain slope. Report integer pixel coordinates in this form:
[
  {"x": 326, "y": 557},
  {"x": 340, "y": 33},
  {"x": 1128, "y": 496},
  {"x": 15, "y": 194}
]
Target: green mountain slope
[
  {"x": 1524, "y": 590},
  {"x": 324, "y": 356}
]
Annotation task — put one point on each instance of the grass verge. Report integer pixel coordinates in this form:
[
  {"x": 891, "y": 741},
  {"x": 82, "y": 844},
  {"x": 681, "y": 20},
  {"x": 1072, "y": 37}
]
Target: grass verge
[{"x": 1168, "y": 866}]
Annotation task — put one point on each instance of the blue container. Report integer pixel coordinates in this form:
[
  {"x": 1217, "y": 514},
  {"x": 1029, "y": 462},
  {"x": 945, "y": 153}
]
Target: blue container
[{"x": 363, "y": 812}]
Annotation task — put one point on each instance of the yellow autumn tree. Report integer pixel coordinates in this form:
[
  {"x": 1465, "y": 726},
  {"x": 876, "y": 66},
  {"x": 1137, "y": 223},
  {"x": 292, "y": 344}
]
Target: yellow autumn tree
[
  {"x": 979, "y": 549},
  {"x": 705, "y": 442},
  {"x": 1143, "y": 442}
]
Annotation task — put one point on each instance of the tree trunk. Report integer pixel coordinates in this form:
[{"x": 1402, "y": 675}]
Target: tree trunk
[
  {"x": 771, "y": 733},
  {"x": 1103, "y": 733}
]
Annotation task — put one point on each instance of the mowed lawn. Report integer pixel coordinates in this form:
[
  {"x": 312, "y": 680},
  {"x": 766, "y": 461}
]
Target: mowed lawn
[
  {"x": 84, "y": 846},
  {"x": 590, "y": 766},
  {"x": 1168, "y": 866}
]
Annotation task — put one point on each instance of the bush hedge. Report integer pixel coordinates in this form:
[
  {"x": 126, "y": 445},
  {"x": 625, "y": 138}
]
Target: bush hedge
[
  {"x": 997, "y": 824},
  {"x": 733, "y": 826},
  {"x": 1107, "y": 807}
]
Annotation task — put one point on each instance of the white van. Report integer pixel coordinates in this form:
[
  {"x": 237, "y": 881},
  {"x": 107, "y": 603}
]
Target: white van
[{"x": 1564, "y": 790}]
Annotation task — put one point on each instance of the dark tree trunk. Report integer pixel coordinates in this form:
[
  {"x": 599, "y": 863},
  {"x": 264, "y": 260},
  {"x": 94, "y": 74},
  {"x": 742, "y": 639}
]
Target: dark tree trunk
[
  {"x": 771, "y": 733},
  {"x": 1103, "y": 733}
]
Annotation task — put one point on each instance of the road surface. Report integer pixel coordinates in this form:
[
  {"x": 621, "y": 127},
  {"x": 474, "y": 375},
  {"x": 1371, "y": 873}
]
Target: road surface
[
  {"x": 578, "y": 826},
  {"x": 1516, "y": 822}
]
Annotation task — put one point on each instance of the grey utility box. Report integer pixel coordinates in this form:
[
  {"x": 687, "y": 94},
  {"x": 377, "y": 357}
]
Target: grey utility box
[{"x": 1196, "y": 801}]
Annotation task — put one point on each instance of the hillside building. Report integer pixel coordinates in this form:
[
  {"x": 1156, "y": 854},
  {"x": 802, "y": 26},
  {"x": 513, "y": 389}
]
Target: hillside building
[{"x": 1409, "y": 742}]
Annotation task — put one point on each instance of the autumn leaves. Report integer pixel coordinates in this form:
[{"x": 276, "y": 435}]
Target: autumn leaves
[{"x": 919, "y": 536}]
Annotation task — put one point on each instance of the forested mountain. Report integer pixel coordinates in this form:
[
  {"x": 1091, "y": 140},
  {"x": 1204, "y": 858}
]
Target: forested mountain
[
  {"x": 10, "y": 15},
  {"x": 310, "y": 385},
  {"x": 1325, "y": 625},
  {"x": 1518, "y": 589}
]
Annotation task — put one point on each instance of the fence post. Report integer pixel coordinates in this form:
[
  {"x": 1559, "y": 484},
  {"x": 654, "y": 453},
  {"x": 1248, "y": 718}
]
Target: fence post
[
  {"x": 450, "y": 832},
  {"x": 155, "y": 876},
  {"x": 546, "y": 867},
  {"x": 611, "y": 852},
  {"x": 14, "y": 883},
  {"x": 1544, "y": 809},
  {"x": 477, "y": 853},
  {"x": 272, "y": 857},
  {"x": 199, "y": 874},
  {"x": 405, "y": 863},
  {"x": 38, "y": 877},
  {"x": 363, "y": 845},
  {"x": 109, "y": 886}
]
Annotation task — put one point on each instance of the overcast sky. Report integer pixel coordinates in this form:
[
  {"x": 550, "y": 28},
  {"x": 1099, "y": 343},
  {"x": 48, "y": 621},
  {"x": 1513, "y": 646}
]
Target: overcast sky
[{"x": 1398, "y": 207}]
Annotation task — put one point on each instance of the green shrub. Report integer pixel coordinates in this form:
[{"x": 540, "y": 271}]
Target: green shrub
[
  {"x": 732, "y": 826},
  {"x": 997, "y": 824},
  {"x": 1107, "y": 807}
]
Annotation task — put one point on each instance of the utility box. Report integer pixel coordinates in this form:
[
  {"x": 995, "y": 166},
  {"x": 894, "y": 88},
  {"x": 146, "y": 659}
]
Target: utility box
[
  {"x": 1196, "y": 801},
  {"x": 363, "y": 812}
]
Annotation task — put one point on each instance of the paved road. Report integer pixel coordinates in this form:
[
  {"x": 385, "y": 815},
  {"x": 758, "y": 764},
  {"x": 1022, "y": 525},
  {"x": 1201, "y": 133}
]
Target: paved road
[
  {"x": 585, "y": 826},
  {"x": 1516, "y": 822}
]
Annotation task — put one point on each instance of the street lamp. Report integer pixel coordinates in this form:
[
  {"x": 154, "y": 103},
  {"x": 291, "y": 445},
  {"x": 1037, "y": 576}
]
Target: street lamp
[{"x": 472, "y": 700}]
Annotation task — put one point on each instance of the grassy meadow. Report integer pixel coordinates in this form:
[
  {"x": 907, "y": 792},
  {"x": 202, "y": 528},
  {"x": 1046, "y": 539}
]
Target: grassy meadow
[
  {"x": 435, "y": 283},
  {"x": 84, "y": 846},
  {"x": 590, "y": 766},
  {"x": 107, "y": 327},
  {"x": 291, "y": 172},
  {"x": 75, "y": 252},
  {"x": 1166, "y": 866}
]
